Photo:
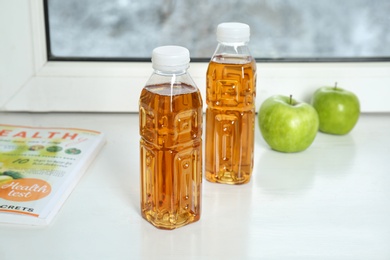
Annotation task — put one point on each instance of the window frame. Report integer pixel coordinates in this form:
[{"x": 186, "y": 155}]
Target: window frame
[{"x": 85, "y": 86}]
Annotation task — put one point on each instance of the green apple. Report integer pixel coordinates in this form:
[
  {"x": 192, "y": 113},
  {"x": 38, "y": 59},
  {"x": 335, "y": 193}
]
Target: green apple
[
  {"x": 338, "y": 109},
  {"x": 286, "y": 124}
]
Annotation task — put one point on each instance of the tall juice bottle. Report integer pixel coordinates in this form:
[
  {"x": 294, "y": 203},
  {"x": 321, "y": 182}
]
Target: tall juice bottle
[
  {"x": 230, "y": 114},
  {"x": 170, "y": 123}
]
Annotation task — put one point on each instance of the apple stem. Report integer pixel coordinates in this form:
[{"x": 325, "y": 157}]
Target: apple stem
[
  {"x": 335, "y": 85},
  {"x": 290, "y": 99}
]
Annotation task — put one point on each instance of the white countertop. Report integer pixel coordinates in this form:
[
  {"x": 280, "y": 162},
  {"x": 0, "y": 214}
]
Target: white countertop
[{"x": 331, "y": 201}]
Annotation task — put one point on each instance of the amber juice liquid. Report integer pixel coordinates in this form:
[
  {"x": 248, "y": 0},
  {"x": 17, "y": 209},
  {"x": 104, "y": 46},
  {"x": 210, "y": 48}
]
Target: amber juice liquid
[
  {"x": 171, "y": 155},
  {"x": 230, "y": 119}
]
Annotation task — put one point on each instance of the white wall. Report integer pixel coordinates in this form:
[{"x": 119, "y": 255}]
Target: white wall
[{"x": 16, "y": 60}]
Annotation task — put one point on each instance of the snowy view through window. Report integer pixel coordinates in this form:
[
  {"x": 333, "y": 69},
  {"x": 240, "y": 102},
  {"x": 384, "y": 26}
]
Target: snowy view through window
[{"x": 279, "y": 28}]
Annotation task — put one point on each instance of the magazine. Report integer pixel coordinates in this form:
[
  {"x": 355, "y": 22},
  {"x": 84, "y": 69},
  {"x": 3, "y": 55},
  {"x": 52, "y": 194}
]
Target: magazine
[{"x": 39, "y": 168}]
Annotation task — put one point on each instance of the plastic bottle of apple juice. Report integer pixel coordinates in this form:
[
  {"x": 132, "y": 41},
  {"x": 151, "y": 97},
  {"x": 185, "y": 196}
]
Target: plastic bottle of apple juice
[
  {"x": 170, "y": 110},
  {"x": 230, "y": 114}
]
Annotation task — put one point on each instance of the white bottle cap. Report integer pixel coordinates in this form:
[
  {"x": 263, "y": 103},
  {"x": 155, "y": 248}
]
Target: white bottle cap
[
  {"x": 170, "y": 58},
  {"x": 233, "y": 32}
]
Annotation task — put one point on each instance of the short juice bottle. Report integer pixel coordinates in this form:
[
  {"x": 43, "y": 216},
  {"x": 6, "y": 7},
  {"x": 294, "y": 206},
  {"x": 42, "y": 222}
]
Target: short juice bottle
[
  {"x": 230, "y": 114},
  {"x": 170, "y": 124}
]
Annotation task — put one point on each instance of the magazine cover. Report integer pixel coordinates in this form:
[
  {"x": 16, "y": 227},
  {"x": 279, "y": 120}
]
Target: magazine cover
[{"x": 39, "y": 167}]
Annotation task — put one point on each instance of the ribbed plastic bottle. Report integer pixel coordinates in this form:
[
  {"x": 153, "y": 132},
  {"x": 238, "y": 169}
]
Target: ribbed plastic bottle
[
  {"x": 230, "y": 114},
  {"x": 170, "y": 118}
]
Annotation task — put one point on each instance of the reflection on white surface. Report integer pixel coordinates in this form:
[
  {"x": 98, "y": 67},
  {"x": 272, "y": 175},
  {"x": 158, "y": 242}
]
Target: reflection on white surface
[
  {"x": 279, "y": 29},
  {"x": 297, "y": 172},
  {"x": 278, "y": 178}
]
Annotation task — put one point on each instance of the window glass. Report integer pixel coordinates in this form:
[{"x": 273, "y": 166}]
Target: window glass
[{"x": 280, "y": 29}]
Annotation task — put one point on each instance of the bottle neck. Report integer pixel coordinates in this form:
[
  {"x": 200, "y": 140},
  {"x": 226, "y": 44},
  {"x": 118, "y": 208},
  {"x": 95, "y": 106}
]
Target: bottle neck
[
  {"x": 176, "y": 77},
  {"x": 233, "y": 48},
  {"x": 237, "y": 52},
  {"x": 170, "y": 73}
]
